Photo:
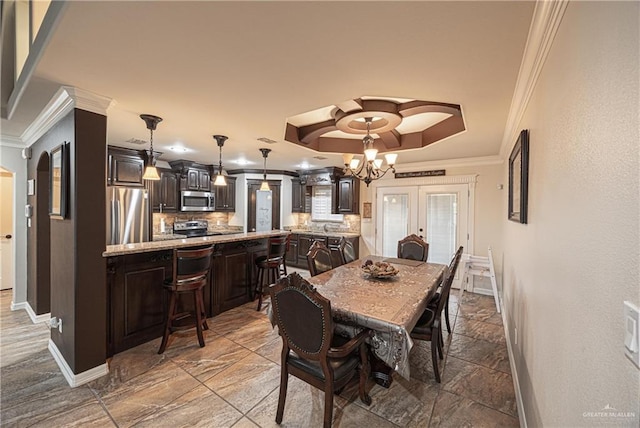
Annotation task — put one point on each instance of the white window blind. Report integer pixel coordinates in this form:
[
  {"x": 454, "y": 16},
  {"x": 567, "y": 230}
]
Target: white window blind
[{"x": 321, "y": 205}]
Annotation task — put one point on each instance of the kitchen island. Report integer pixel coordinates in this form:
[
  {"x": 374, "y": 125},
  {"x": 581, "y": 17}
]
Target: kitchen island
[{"x": 137, "y": 302}]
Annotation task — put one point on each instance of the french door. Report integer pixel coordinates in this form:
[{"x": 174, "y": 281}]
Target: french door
[{"x": 437, "y": 213}]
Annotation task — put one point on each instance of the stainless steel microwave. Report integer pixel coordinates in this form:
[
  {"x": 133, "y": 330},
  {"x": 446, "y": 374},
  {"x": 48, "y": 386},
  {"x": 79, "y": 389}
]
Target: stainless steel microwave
[{"x": 197, "y": 201}]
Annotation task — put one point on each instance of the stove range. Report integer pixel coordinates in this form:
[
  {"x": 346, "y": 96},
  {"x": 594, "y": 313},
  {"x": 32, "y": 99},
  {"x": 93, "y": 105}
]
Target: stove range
[{"x": 192, "y": 228}]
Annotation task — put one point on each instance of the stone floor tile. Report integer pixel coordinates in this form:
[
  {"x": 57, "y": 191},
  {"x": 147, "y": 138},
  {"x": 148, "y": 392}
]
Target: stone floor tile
[
  {"x": 454, "y": 411},
  {"x": 487, "y": 354},
  {"x": 480, "y": 330}
]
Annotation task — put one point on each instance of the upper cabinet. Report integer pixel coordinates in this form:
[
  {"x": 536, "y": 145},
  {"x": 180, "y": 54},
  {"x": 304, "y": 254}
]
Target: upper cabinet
[
  {"x": 164, "y": 193},
  {"x": 194, "y": 176},
  {"x": 226, "y": 196},
  {"x": 125, "y": 167},
  {"x": 346, "y": 197},
  {"x": 300, "y": 197}
]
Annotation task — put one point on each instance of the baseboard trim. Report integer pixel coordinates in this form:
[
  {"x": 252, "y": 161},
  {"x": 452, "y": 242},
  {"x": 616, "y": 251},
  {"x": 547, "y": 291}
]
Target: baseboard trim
[
  {"x": 18, "y": 306},
  {"x": 36, "y": 319},
  {"x": 514, "y": 374},
  {"x": 76, "y": 379},
  {"x": 483, "y": 291}
]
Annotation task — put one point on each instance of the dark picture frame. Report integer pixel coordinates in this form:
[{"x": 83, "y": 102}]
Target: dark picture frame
[
  {"x": 59, "y": 181},
  {"x": 519, "y": 178}
]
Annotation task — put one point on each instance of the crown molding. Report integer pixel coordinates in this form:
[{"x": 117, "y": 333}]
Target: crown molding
[
  {"x": 65, "y": 99},
  {"x": 11, "y": 141},
  {"x": 546, "y": 20}
]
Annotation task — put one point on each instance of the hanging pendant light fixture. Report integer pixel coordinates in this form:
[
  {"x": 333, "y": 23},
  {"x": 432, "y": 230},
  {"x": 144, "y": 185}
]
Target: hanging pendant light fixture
[
  {"x": 151, "y": 172},
  {"x": 265, "y": 184},
  {"x": 371, "y": 168},
  {"x": 220, "y": 179}
]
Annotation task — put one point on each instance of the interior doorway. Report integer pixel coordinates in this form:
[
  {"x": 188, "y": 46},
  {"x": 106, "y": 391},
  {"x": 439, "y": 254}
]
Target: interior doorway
[
  {"x": 253, "y": 187},
  {"x": 39, "y": 288},
  {"x": 437, "y": 213},
  {"x": 7, "y": 264}
]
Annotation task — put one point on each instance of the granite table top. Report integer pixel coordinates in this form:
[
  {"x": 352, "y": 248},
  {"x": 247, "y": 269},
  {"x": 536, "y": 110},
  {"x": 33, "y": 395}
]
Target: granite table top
[
  {"x": 145, "y": 247},
  {"x": 390, "y": 307}
]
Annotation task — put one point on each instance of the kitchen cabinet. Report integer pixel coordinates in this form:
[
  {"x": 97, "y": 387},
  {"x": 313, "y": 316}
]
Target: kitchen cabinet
[
  {"x": 300, "y": 197},
  {"x": 300, "y": 243},
  {"x": 346, "y": 196},
  {"x": 164, "y": 193},
  {"x": 125, "y": 167},
  {"x": 226, "y": 196},
  {"x": 198, "y": 179},
  {"x": 235, "y": 273}
]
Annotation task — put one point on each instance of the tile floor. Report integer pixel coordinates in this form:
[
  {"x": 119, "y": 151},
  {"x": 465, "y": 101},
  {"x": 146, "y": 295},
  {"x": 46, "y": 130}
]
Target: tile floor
[{"x": 233, "y": 381}]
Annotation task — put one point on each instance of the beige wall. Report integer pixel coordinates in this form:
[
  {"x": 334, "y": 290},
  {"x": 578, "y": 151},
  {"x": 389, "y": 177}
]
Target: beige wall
[{"x": 567, "y": 272}]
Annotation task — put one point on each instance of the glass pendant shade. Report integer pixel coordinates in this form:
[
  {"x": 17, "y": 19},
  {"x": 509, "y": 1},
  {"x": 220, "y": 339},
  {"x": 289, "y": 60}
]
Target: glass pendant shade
[
  {"x": 220, "y": 180},
  {"x": 151, "y": 173},
  {"x": 354, "y": 163},
  {"x": 377, "y": 163},
  {"x": 346, "y": 158},
  {"x": 265, "y": 186},
  {"x": 391, "y": 158},
  {"x": 370, "y": 154}
]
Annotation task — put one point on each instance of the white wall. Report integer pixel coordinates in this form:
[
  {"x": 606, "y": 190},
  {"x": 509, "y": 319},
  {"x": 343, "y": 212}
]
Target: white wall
[
  {"x": 567, "y": 272},
  {"x": 11, "y": 159}
]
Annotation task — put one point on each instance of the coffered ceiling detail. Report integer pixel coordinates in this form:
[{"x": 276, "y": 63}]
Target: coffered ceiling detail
[{"x": 397, "y": 124}]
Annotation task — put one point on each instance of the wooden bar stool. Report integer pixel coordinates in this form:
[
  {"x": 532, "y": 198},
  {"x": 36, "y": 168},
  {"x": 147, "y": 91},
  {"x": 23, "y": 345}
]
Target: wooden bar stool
[
  {"x": 271, "y": 264},
  {"x": 190, "y": 275}
]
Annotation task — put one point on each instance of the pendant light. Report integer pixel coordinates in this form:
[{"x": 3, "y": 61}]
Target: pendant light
[
  {"x": 265, "y": 185},
  {"x": 220, "y": 179},
  {"x": 150, "y": 172}
]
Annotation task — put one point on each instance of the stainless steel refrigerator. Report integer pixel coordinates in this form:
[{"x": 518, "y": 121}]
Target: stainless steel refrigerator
[{"x": 127, "y": 215}]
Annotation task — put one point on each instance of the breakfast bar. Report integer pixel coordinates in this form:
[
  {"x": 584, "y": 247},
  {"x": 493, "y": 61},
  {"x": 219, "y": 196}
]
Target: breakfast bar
[{"x": 137, "y": 303}]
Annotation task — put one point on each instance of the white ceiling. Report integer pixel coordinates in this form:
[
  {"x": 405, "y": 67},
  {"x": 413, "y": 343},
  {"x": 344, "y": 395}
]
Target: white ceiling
[{"x": 242, "y": 68}]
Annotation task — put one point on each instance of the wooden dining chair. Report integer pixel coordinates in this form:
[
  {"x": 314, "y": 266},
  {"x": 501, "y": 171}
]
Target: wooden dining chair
[
  {"x": 428, "y": 326},
  {"x": 347, "y": 252},
  {"x": 310, "y": 350},
  {"x": 413, "y": 247},
  {"x": 319, "y": 258},
  {"x": 433, "y": 303}
]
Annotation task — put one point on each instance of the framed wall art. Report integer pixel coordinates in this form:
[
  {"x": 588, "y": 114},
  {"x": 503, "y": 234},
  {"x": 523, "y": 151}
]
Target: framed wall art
[
  {"x": 59, "y": 181},
  {"x": 519, "y": 178}
]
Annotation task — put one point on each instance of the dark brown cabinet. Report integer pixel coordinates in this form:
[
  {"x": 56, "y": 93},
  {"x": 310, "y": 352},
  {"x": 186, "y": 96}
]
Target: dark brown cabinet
[
  {"x": 346, "y": 197},
  {"x": 300, "y": 243},
  {"x": 125, "y": 167},
  {"x": 198, "y": 179},
  {"x": 300, "y": 197},
  {"x": 137, "y": 300},
  {"x": 164, "y": 193},
  {"x": 226, "y": 196}
]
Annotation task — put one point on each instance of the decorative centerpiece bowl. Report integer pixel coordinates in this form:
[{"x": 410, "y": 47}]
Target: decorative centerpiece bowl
[{"x": 379, "y": 270}]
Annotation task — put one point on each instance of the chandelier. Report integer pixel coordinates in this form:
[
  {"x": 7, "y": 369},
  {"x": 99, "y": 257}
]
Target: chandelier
[{"x": 371, "y": 168}]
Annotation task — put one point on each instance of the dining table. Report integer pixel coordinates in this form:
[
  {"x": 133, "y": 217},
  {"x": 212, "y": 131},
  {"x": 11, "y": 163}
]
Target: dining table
[{"x": 389, "y": 306}]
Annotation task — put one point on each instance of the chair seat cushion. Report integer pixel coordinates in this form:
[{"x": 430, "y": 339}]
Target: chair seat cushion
[
  {"x": 272, "y": 262},
  {"x": 341, "y": 366},
  {"x": 425, "y": 323}
]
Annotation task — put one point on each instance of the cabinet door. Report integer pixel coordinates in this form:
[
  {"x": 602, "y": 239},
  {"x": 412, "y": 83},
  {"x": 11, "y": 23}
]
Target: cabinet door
[
  {"x": 226, "y": 196},
  {"x": 193, "y": 179},
  {"x": 126, "y": 170},
  {"x": 297, "y": 197},
  {"x": 347, "y": 196},
  {"x": 333, "y": 244},
  {"x": 169, "y": 182},
  {"x": 292, "y": 254},
  {"x": 204, "y": 181}
]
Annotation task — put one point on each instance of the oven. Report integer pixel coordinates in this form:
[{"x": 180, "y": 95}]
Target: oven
[
  {"x": 197, "y": 201},
  {"x": 193, "y": 228}
]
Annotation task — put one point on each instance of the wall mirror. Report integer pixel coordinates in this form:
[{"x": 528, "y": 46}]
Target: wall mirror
[{"x": 58, "y": 187}]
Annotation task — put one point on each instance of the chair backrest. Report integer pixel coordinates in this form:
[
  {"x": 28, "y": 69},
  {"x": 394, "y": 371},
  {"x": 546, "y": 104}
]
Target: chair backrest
[
  {"x": 413, "y": 247},
  {"x": 347, "y": 252},
  {"x": 448, "y": 280},
  {"x": 277, "y": 246},
  {"x": 192, "y": 265},
  {"x": 303, "y": 317},
  {"x": 319, "y": 258}
]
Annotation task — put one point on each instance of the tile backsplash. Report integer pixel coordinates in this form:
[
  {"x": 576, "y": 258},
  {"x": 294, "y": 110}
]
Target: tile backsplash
[
  {"x": 350, "y": 224},
  {"x": 216, "y": 221}
]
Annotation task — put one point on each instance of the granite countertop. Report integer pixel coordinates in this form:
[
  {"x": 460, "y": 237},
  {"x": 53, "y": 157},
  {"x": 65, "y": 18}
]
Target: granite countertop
[
  {"x": 167, "y": 237},
  {"x": 322, "y": 233},
  {"x": 146, "y": 247}
]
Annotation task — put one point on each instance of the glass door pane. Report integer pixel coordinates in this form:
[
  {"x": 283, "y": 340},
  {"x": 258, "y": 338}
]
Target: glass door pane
[
  {"x": 395, "y": 222},
  {"x": 442, "y": 226}
]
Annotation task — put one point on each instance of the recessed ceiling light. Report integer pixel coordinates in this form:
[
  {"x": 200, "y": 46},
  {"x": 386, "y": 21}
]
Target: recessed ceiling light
[
  {"x": 241, "y": 162},
  {"x": 179, "y": 149},
  {"x": 304, "y": 165}
]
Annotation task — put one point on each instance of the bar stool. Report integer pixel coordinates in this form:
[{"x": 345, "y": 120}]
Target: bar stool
[
  {"x": 271, "y": 264},
  {"x": 190, "y": 275}
]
